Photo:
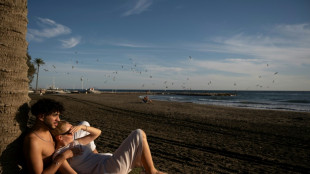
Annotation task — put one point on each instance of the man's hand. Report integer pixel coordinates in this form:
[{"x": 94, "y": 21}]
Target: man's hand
[{"x": 71, "y": 152}]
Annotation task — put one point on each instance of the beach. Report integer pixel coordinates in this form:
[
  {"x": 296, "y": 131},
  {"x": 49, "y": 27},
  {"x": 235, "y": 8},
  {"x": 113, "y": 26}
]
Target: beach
[{"x": 197, "y": 138}]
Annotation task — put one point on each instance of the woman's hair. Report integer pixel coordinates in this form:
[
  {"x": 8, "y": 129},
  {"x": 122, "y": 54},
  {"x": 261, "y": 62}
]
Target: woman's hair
[{"x": 60, "y": 129}]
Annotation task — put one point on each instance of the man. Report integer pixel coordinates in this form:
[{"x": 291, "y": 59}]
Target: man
[{"x": 39, "y": 145}]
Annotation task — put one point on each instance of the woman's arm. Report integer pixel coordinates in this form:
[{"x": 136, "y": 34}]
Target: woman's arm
[{"x": 93, "y": 133}]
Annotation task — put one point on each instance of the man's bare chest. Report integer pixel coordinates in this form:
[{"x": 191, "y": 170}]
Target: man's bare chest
[
  {"x": 47, "y": 153},
  {"x": 48, "y": 149}
]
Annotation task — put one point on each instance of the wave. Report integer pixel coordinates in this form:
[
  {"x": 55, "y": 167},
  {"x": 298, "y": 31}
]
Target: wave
[
  {"x": 296, "y": 101},
  {"x": 262, "y": 100},
  {"x": 253, "y": 103}
]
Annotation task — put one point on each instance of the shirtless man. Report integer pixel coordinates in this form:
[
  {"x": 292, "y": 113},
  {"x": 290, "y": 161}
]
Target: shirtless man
[{"x": 39, "y": 145}]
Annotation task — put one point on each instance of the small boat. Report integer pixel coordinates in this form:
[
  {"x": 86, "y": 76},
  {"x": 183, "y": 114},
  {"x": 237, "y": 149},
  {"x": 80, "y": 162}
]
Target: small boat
[{"x": 93, "y": 91}]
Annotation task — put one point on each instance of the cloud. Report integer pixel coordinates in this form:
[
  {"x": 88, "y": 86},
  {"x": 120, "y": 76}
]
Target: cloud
[
  {"x": 139, "y": 7},
  {"x": 123, "y": 43},
  {"x": 129, "y": 44},
  {"x": 302, "y": 31},
  {"x": 238, "y": 66},
  {"x": 160, "y": 68},
  {"x": 289, "y": 44},
  {"x": 48, "y": 29},
  {"x": 71, "y": 42}
]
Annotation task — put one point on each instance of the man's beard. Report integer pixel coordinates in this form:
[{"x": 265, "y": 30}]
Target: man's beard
[{"x": 49, "y": 125}]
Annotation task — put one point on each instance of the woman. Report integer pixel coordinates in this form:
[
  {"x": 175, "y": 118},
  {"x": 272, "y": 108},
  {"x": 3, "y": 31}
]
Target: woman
[{"x": 133, "y": 152}]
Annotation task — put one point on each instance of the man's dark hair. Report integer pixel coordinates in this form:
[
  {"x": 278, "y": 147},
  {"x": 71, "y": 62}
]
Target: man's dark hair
[{"x": 46, "y": 107}]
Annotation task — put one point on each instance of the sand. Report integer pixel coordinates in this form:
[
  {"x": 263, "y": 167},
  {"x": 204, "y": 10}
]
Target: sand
[{"x": 194, "y": 138}]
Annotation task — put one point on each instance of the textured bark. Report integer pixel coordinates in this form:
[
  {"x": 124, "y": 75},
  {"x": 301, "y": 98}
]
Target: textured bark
[{"x": 13, "y": 81}]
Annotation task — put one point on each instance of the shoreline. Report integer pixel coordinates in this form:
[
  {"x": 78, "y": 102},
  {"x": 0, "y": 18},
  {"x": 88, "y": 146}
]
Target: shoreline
[
  {"x": 232, "y": 106},
  {"x": 195, "y": 138}
]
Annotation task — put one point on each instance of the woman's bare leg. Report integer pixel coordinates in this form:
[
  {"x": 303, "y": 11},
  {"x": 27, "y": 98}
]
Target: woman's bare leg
[{"x": 146, "y": 158}]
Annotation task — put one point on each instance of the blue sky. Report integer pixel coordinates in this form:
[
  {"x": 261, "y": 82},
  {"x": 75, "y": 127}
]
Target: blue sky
[{"x": 171, "y": 44}]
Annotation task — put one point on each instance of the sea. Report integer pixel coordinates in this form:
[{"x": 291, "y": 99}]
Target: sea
[{"x": 273, "y": 100}]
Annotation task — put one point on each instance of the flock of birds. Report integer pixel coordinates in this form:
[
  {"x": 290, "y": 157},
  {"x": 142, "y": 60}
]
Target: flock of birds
[{"x": 134, "y": 67}]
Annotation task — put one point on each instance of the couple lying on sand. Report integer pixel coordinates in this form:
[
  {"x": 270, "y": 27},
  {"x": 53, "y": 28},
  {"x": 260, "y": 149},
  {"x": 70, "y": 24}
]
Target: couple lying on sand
[{"x": 75, "y": 151}]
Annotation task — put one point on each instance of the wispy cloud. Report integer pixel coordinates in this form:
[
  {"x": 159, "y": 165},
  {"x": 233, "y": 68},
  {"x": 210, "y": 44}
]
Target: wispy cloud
[
  {"x": 139, "y": 7},
  {"x": 122, "y": 43},
  {"x": 287, "y": 43},
  {"x": 301, "y": 31},
  {"x": 71, "y": 42},
  {"x": 238, "y": 66},
  {"x": 160, "y": 68},
  {"x": 130, "y": 45},
  {"x": 48, "y": 29}
]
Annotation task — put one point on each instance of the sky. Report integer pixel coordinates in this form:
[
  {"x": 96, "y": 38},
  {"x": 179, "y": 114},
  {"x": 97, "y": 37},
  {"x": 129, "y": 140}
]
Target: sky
[{"x": 171, "y": 44}]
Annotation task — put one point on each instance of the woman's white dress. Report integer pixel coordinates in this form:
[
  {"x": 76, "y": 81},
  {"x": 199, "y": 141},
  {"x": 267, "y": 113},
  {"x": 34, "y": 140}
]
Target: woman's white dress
[{"x": 126, "y": 157}]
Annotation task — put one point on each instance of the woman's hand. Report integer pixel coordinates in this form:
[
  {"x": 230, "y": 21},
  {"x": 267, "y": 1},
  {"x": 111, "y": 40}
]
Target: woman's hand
[{"x": 76, "y": 128}]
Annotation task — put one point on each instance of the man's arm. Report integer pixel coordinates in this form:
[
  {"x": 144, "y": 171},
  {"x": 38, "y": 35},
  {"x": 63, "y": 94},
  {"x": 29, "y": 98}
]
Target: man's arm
[
  {"x": 33, "y": 155},
  {"x": 65, "y": 168}
]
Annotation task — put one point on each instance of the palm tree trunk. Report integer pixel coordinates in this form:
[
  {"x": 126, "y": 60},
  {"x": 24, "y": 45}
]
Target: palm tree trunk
[
  {"x": 37, "y": 78},
  {"x": 13, "y": 81}
]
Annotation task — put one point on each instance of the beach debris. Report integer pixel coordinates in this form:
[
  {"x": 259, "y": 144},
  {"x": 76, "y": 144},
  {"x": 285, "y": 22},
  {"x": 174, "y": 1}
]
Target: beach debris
[
  {"x": 275, "y": 73},
  {"x": 54, "y": 66}
]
